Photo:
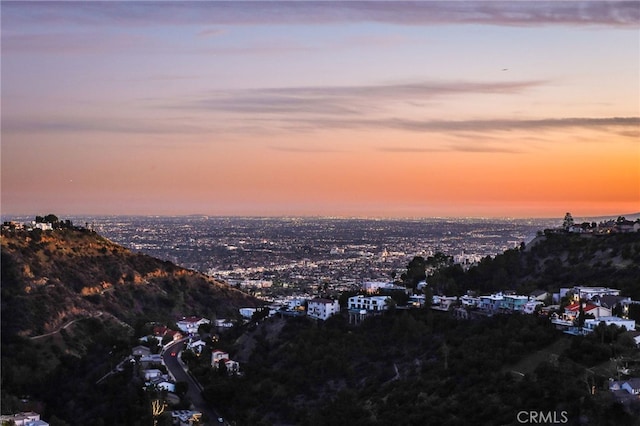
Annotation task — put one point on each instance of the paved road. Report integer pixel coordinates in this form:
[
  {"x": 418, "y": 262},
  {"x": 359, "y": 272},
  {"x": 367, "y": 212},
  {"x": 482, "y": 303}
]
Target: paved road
[{"x": 194, "y": 393}]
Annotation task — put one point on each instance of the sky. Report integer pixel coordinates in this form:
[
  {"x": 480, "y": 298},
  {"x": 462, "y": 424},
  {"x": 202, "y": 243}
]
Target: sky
[{"x": 367, "y": 109}]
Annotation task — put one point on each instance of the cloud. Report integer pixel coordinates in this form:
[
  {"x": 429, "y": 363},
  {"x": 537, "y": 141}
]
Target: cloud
[
  {"x": 211, "y": 32},
  {"x": 404, "y": 149},
  {"x": 301, "y": 149},
  {"x": 162, "y": 13},
  {"x": 510, "y": 125},
  {"x": 85, "y": 42},
  {"x": 95, "y": 124},
  {"x": 342, "y": 100}
]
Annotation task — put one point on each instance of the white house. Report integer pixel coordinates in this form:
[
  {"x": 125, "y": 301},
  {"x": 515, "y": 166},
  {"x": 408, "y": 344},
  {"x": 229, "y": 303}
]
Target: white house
[
  {"x": 469, "y": 301},
  {"x": 190, "y": 324},
  {"x": 151, "y": 373},
  {"x": 530, "y": 306},
  {"x": 583, "y": 292},
  {"x": 218, "y": 356},
  {"x": 223, "y": 323},
  {"x": 371, "y": 287},
  {"x": 166, "y": 385},
  {"x": 369, "y": 303},
  {"x": 25, "y": 418},
  {"x": 196, "y": 346},
  {"x": 247, "y": 312},
  {"x": 632, "y": 386},
  {"x": 444, "y": 303},
  {"x": 141, "y": 351},
  {"x": 322, "y": 308},
  {"x": 591, "y": 324},
  {"x": 295, "y": 304}
]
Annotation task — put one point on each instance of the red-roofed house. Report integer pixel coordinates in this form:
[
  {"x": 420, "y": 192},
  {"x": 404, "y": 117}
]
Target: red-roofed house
[
  {"x": 218, "y": 356},
  {"x": 589, "y": 308},
  {"x": 190, "y": 324}
]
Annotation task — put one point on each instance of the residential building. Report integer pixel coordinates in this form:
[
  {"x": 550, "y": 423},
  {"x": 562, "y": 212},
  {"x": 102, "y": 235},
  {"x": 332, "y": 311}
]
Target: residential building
[
  {"x": 531, "y": 305},
  {"x": 247, "y": 313},
  {"x": 371, "y": 287},
  {"x": 492, "y": 302},
  {"x": 444, "y": 303},
  {"x": 141, "y": 351},
  {"x": 185, "y": 417},
  {"x": 573, "y": 310},
  {"x": 469, "y": 301},
  {"x": 416, "y": 301},
  {"x": 540, "y": 295},
  {"x": 218, "y": 356},
  {"x": 514, "y": 302},
  {"x": 322, "y": 308},
  {"x": 591, "y": 324},
  {"x": 196, "y": 346},
  {"x": 191, "y": 324},
  {"x": 369, "y": 303},
  {"x": 25, "y": 418},
  {"x": 223, "y": 324},
  {"x": 588, "y": 293},
  {"x": 632, "y": 386},
  {"x": 151, "y": 373}
]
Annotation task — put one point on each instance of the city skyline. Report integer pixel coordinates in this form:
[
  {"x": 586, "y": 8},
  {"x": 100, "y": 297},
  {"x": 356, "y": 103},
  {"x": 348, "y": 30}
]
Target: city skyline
[{"x": 369, "y": 109}]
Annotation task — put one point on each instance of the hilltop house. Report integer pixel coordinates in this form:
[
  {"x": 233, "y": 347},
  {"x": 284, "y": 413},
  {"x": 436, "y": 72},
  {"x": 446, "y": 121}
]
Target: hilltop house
[
  {"x": 369, "y": 303},
  {"x": 514, "y": 302},
  {"x": 322, "y": 308},
  {"x": 191, "y": 324},
  {"x": 491, "y": 303},
  {"x": 573, "y": 310}
]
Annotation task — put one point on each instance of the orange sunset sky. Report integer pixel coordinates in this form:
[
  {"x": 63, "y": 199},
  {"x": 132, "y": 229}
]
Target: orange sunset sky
[{"x": 376, "y": 109}]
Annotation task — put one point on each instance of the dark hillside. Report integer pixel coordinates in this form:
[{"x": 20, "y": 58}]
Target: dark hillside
[
  {"x": 550, "y": 261},
  {"x": 70, "y": 299},
  {"x": 51, "y": 277}
]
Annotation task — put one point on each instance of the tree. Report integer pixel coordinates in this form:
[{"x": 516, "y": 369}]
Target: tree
[
  {"x": 568, "y": 221},
  {"x": 416, "y": 272},
  {"x": 51, "y": 218}
]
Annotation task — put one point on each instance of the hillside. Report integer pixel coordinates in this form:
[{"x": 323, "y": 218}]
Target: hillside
[
  {"x": 551, "y": 261},
  {"x": 52, "y": 277}
]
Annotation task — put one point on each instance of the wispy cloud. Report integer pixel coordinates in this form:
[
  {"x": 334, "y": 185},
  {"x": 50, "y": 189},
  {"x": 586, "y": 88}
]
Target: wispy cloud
[
  {"x": 120, "y": 125},
  {"x": 211, "y": 32},
  {"x": 336, "y": 100},
  {"x": 301, "y": 149},
  {"x": 620, "y": 125},
  {"x": 150, "y": 13}
]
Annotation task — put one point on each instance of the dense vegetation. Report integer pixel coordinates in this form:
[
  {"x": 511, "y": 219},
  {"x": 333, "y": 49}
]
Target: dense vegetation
[{"x": 393, "y": 370}]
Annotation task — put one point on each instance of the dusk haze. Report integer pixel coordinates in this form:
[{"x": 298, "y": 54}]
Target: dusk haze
[{"x": 367, "y": 109}]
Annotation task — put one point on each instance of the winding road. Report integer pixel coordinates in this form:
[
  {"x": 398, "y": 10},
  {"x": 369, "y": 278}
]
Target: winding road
[{"x": 178, "y": 370}]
